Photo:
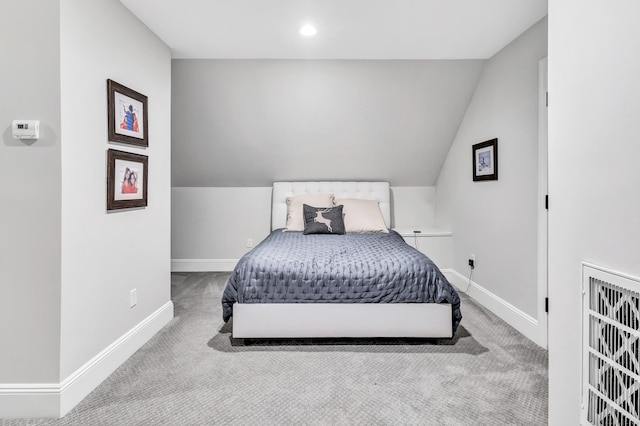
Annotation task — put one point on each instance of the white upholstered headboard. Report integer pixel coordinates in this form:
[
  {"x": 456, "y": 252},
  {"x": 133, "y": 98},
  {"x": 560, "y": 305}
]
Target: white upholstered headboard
[{"x": 362, "y": 190}]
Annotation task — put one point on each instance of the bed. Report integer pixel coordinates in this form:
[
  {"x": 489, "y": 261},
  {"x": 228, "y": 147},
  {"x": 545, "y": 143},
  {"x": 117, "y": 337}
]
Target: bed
[{"x": 372, "y": 284}]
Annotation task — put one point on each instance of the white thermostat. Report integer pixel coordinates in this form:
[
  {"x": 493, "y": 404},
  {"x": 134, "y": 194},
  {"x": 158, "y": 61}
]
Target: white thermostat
[{"x": 26, "y": 129}]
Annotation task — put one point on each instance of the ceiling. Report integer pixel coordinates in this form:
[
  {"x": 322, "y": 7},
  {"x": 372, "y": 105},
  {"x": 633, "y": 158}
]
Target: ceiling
[{"x": 347, "y": 29}]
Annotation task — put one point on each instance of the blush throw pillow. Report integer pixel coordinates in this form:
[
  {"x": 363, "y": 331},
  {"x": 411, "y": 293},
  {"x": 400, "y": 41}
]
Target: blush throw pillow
[
  {"x": 295, "y": 218},
  {"x": 362, "y": 215},
  {"x": 323, "y": 220}
]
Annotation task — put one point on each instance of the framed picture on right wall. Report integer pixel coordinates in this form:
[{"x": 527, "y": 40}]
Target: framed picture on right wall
[{"x": 485, "y": 160}]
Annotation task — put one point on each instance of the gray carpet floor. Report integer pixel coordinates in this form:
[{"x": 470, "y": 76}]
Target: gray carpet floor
[{"x": 193, "y": 373}]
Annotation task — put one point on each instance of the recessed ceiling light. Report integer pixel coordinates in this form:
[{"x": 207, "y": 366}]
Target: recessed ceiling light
[{"x": 308, "y": 30}]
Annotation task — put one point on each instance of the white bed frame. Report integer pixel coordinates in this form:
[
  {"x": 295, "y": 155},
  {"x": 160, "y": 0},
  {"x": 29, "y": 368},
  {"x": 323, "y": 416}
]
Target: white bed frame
[{"x": 311, "y": 320}]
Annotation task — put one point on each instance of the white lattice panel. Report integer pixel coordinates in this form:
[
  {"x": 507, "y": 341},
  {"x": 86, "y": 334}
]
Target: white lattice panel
[{"x": 611, "y": 340}]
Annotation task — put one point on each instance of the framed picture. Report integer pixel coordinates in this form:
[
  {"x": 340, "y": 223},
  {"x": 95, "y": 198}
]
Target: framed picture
[
  {"x": 485, "y": 160},
  {"x": 126, "y": 115},
  {"x": 127, "y": 175}
]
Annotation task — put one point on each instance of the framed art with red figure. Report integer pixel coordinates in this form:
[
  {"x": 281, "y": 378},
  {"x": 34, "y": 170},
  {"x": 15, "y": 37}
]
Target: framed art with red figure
[{"x": 127, "y": 175}]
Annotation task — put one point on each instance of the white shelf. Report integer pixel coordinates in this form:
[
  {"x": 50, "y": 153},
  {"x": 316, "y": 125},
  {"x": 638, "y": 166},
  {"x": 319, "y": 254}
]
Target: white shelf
[{"x": 424, "y": 232}]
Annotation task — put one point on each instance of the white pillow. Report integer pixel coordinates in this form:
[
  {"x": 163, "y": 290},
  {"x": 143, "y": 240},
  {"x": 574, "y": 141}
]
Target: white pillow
[
  {"x": 362, "y": 215},
  {"x": 295, "y": 217}
]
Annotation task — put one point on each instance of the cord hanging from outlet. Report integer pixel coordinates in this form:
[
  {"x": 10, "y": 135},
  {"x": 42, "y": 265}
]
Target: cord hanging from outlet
[
  {"x": 472, "y": 265},
  {"x": 469, "y": 283}
]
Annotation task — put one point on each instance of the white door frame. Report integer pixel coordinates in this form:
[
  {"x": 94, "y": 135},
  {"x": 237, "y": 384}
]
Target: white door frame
[{"x": 543, "y": 225}]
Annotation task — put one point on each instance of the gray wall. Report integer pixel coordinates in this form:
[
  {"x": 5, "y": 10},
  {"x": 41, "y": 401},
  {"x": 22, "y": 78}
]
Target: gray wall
[
  {"x": 594, "y": 179},
  {"x": 106, "y": 255},
  {"x": 497, "y": 220},
  {"x": 30, "y": 192},
  {"x": 250, "y": 122}
]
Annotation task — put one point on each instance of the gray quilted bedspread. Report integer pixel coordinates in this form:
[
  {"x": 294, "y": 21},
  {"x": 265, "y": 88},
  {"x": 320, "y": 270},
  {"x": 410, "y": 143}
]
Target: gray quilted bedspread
[{"x": 289, "y": 267}]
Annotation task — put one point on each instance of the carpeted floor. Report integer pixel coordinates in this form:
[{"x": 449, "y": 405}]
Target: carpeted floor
[{"x": 192, "y": 373}]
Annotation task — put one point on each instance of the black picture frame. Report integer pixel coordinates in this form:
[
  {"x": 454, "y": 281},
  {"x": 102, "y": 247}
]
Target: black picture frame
[
  {"x": 127, "y": 180},
  {"x": 127, "y": 116},
  {"x": 485, "y": 160}
]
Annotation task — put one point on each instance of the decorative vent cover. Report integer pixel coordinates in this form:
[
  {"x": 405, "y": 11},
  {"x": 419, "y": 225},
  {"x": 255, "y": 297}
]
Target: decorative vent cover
[{"x": 610, "y": 346}]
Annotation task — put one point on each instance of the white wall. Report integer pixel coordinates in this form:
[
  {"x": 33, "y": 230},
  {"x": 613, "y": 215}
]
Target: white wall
[
  {"x": 594, "y": 179},
  {"x": 497, "y": 220},
  {"x": 413, "y": 207},
  {"x": 105, "y": 255},
  {"x": 215, "y": 223},
  {"x": 65, "y": 273},
  {"x": 30, "y": 194}
]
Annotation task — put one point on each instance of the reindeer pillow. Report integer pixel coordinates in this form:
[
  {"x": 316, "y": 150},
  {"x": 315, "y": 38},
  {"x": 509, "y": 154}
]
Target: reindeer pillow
[{"x": 323, "y": 220}]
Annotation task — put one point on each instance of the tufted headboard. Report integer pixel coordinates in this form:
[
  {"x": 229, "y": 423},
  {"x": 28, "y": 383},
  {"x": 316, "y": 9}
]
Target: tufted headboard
[{"x": 362, "y": 190}]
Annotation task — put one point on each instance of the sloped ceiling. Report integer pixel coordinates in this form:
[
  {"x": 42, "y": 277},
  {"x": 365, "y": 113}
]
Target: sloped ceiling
[
  {"x": 250, "y": 122},
  {"x": 375, "y": 95}
]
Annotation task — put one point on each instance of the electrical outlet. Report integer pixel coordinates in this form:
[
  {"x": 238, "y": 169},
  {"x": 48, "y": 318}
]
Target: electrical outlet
[
  {"x": 249, "y": 242},
  {"x": 133, "y": 298},
  {"x": 472, "y": 261}
]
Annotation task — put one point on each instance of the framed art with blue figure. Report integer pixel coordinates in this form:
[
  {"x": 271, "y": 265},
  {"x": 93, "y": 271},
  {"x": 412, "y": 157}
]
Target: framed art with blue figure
[
  {"x": 127, "y": 175},
  {"x": 126, "y": 115},
  {"x": 485, "y": 160}
]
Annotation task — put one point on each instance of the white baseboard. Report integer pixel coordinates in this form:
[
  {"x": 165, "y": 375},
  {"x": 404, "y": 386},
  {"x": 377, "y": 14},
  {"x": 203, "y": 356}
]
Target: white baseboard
[
  {"x": 29, "y": 400},
  {"x": 74, "y": 388},
  {"x": 516, "y": 318},
  {"x": 203, "y": 265},
  {"x": 57, "y": 399}
]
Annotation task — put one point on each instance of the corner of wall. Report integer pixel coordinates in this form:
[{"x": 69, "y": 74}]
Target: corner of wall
[{"x": 497, "y": 220}]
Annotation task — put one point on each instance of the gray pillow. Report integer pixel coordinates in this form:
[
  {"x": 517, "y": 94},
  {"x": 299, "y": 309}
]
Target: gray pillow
[{"x": 323, "y": 220}]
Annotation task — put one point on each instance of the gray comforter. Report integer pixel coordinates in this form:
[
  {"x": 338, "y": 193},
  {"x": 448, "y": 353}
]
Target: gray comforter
[{"x": 289, "y": 267}]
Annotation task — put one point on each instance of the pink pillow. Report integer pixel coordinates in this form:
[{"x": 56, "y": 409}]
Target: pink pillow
[{"x": 362, "y": 215}]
